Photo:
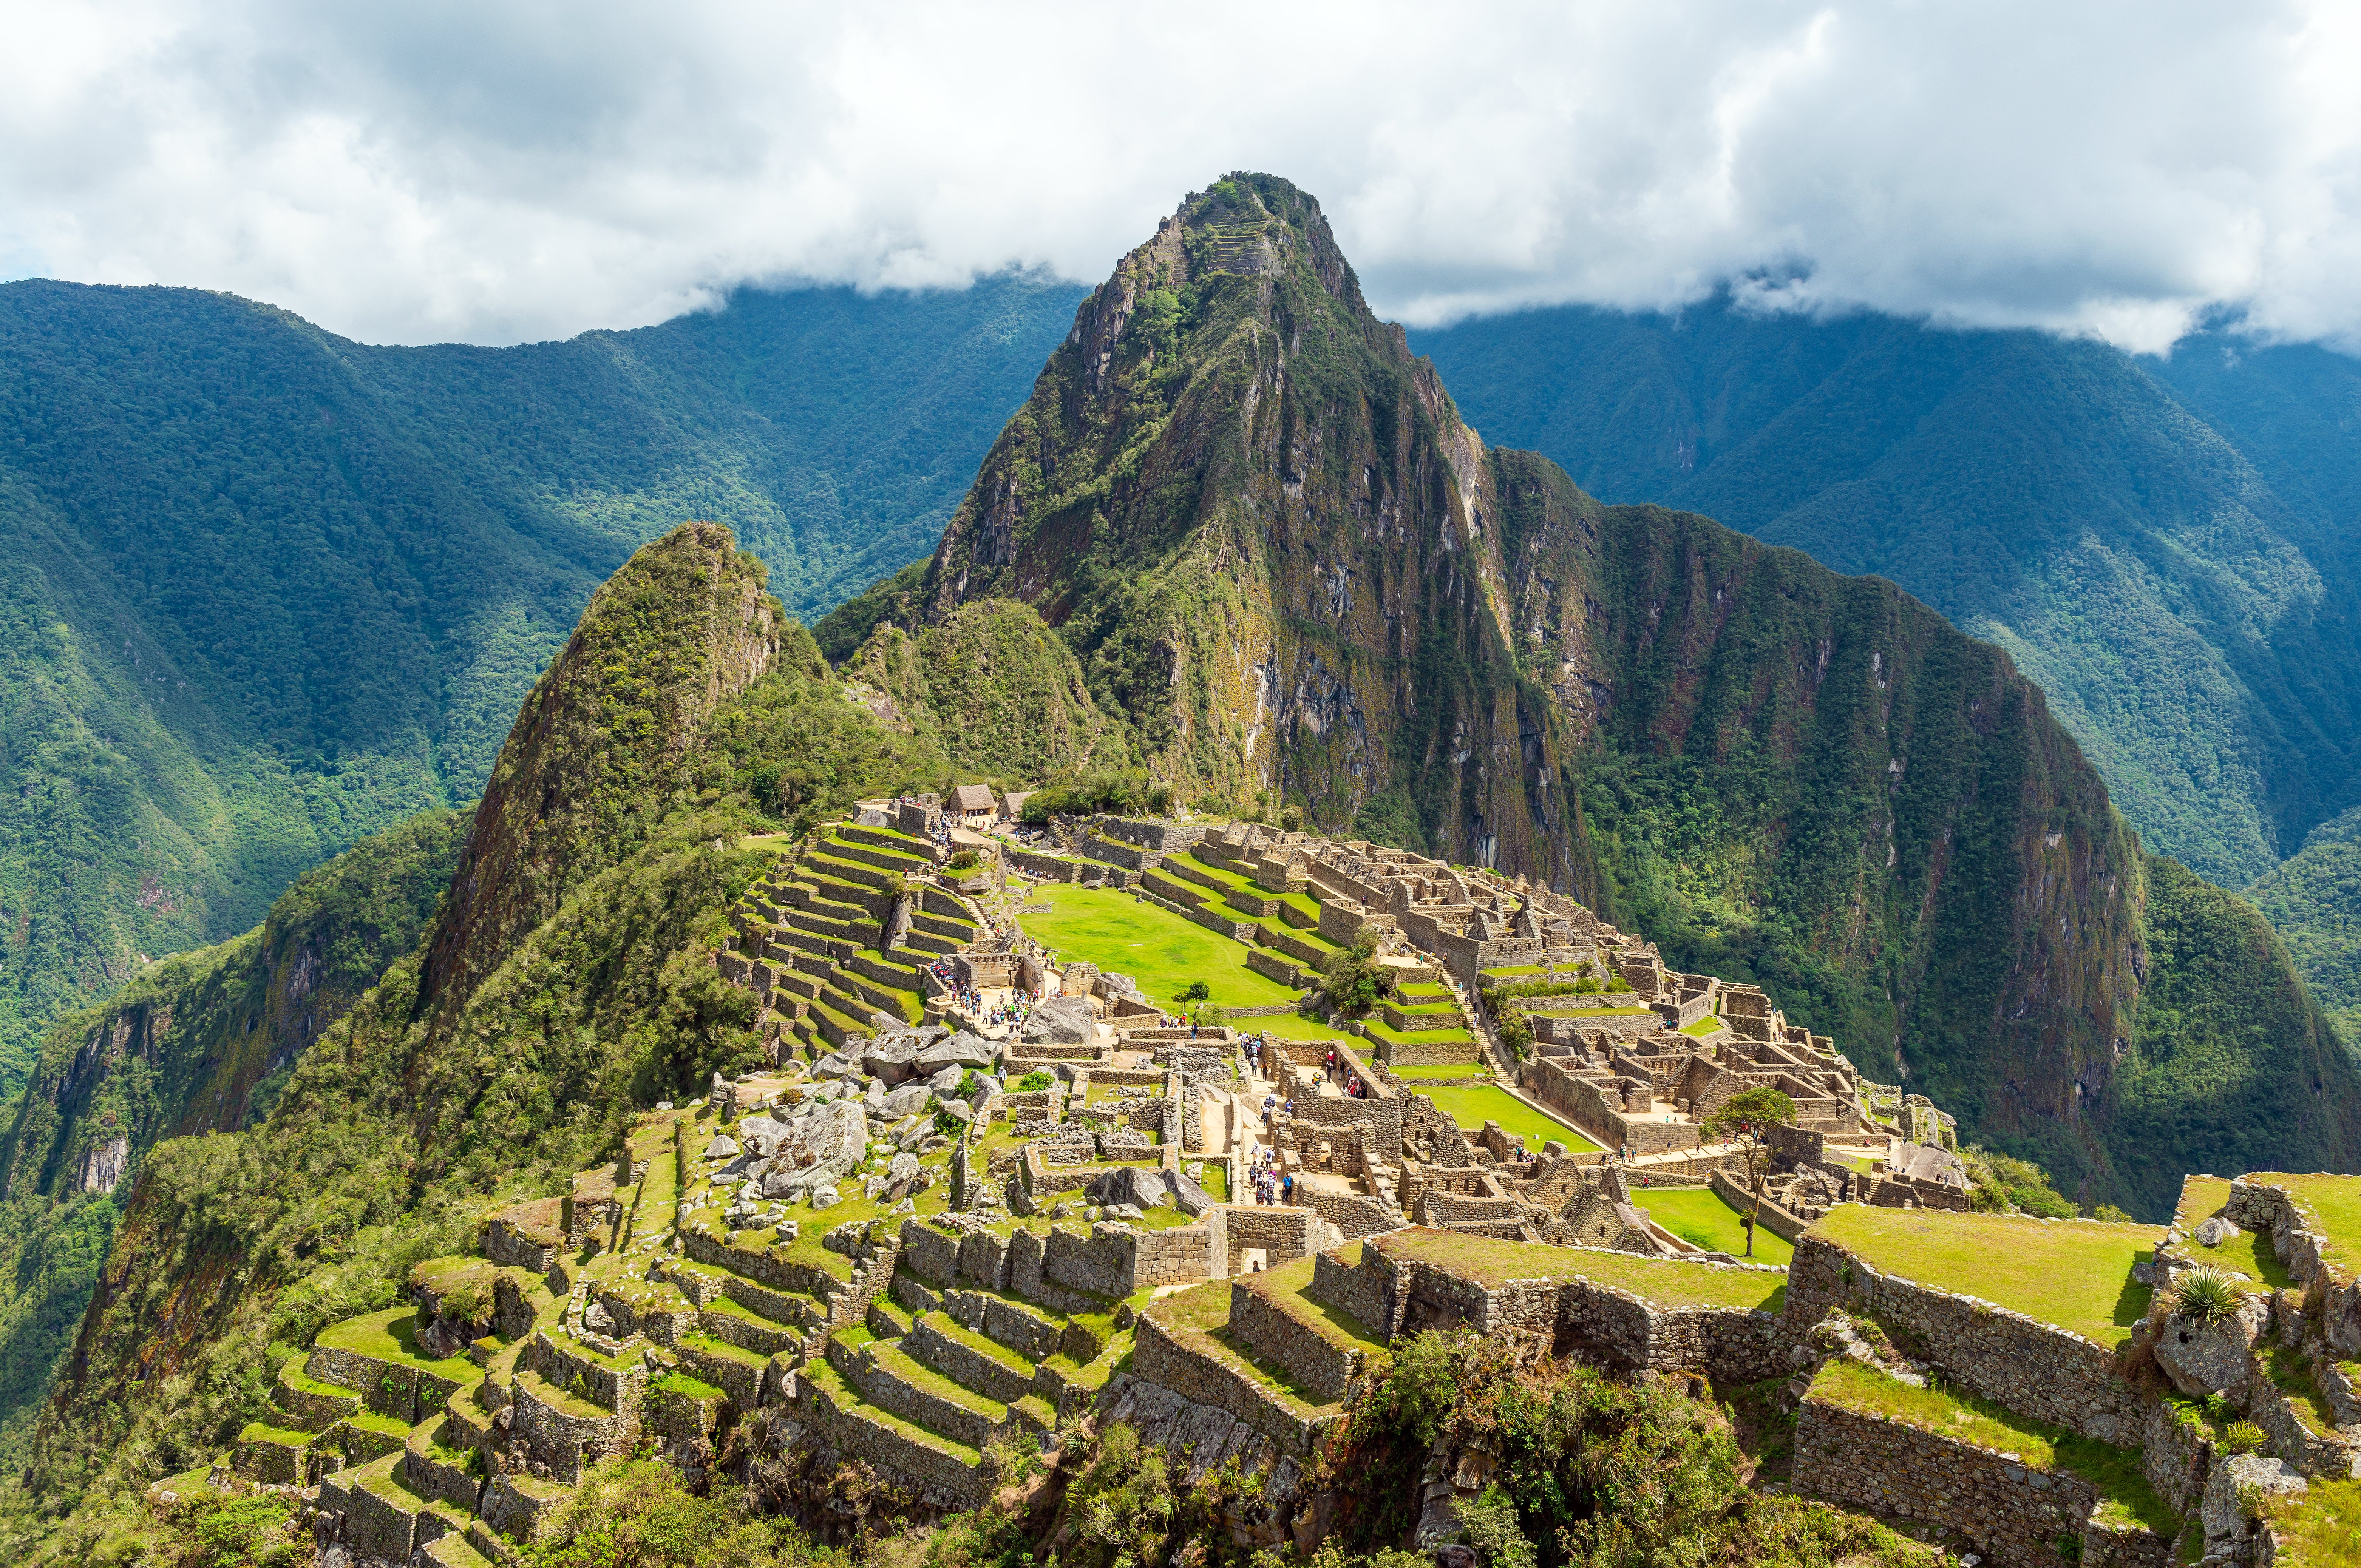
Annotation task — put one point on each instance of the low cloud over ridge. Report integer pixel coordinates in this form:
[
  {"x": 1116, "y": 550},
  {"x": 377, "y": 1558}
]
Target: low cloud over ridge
[{"x": 496, "y": 172}]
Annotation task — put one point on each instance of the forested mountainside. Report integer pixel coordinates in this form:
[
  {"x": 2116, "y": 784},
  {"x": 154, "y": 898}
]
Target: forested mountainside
[
  {"x": 1288, "y": 566},
  {"x": 2167, "y": 547},
  {"x": 264, "y": 591},
  {"x": 562, "y": 982},
  {"x": 2315, "y": 900},
  {"x": 200, "y": 1042}
]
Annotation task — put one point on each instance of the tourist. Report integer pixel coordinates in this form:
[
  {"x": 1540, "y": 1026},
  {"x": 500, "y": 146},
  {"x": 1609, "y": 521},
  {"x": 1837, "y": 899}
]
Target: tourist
[{"x": 1286, "y": 1189}]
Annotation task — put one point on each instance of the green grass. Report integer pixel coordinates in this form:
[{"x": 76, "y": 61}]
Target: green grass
[
  {"x": 1442, "y": 1071},
  {"x": 1705, "y": 1025},
  {"x": 1666, "y": 1282},
  {"x": 1217, "y": 1184},
  {"x": 2074, "y": 1273},
  {"x": 1380, "y": 1030},
  {"x": 1703, "y": 1216},
  {"x": 393, "y": 1335},
  {"x": 1471, "y": 1108},
  {"x": 1284, "y": 1289},
  {"x": 2125, "y": 1495},
  {"x": 1294, "y": 1026},
  {"x": 2334, "y": 1202},
  {"x": 1162, "y": 951},
  {"x": 2321, "y": 1528}
]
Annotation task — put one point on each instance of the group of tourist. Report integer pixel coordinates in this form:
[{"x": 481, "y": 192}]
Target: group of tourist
[
  {"x": 1271, "y": 1187},
  {"x": 1351, "y": 1084}
]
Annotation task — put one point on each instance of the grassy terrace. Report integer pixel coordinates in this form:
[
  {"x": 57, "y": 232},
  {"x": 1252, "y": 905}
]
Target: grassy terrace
[
  {"x": 2249, "y": 1255},
  {"x": 1284, "y": 1287},
  {"x": 1665, "y": 1282},
  {"x": 1204, "y": 1311},
  {"x": 2124, "y": 1497},
  {"x": 2334, "y": 1204},
  {"x": 1708, "y": 1024},
  {"x": 2321, "y": 1528},
  {"x": 2074, "y": 1273},
  {"x": 1378, "y": 1029},
  {"x": 1471, "y": 1108},
  {"x": 391, "y": 1335},
  {"x": 1703, "y": 1216},
  {"x": 1441, "y": 1072},
  {"x": 1161, "y": 950}
]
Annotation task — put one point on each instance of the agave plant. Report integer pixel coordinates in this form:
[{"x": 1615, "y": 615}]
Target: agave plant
[{"x": 2206, "y": 1295}]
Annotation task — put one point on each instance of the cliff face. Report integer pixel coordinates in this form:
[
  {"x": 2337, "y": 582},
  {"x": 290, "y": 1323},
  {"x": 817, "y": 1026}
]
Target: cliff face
[{"x": 1282, "y": 557}]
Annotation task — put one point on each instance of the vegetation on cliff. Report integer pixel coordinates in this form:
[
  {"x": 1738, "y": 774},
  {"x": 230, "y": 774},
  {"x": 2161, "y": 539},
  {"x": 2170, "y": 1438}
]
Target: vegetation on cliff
[
  {"x": 2313, "y": 901},
  {"x": 200, "y": 1042}
]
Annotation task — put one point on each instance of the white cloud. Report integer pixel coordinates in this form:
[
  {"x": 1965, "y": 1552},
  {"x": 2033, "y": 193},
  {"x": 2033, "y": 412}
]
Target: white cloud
[{"x": 497, "y": 171}]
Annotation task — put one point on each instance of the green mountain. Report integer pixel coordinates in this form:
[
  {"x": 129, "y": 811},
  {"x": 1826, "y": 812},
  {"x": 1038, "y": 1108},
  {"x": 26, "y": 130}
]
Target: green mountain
[
  {"x": 265, "y": 591},
  {"x": 2314, "y": 901},
  {"x": 562, "y": 979},
  {"x": 2165, "y": 545},
  {"x": 1281, "y": 557},
  {"x": 202, "y": 1042}
]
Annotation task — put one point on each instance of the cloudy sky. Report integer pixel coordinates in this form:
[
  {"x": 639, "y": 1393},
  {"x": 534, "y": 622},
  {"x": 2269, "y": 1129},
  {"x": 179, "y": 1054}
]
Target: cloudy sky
[{"x": 501, "y": 170}]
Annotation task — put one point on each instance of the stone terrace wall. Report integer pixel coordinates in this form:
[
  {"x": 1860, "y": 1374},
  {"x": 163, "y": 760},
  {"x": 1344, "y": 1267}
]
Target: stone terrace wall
[
  {"x": 1729, "y": 1344},
  {"x": 1157, "y": 1357},
  {"x": 1323, "y": 1370},
  {"x": 1041, "y": 867},
  {"x": 1355, "y": 1214},
  {"x": 1357, "y": 1292},
  {"x": 2030, "y": 1367},
  {"x": 2014, "y": 1515}
]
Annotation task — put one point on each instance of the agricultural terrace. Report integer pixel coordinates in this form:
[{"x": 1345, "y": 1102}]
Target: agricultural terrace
[
  {"x": 2125, "y": 1495},
  {"x": 1663, "y": 1282},
  {"x": 2072, "y": 1274},
  {"x": 1705, "y": 1218},
  {"x": 1161, "y": 950}
]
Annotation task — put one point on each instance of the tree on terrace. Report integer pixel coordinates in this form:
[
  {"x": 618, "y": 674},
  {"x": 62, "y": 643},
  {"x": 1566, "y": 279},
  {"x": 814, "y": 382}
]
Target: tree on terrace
[{"x": 1746, "y": 1119}]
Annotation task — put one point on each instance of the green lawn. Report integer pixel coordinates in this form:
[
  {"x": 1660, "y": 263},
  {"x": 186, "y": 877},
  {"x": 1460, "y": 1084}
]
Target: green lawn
[
  {"x": 1157, "y": 948},
  {"x": 2125, "y": 1495},
  {"x": 2319, "y": 1528},
  {"x": 1701, "y": 1215},
  {"x": 2072, "y": 1273},
  {"x": 1667, "y": 1282},
  {"x": 1703, "y": 1027},
  {"x": 1471, "y": 1108},
  {"x": 1294, "y": 1026},
  {"x": 2336, "y": 1204}
]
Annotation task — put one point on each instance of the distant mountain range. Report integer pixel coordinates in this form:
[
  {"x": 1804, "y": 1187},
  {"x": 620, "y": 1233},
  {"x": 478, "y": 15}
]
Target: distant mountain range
[{"x": 265, "y": 591}]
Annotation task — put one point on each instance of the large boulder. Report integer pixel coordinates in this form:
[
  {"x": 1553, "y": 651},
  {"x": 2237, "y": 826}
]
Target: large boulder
[
  {"x": 723, "y": 1146},
  {"x": 1115, "y": 984},
  {"x": 890, "y": 1058},
  {"x": 961, "y": 1050},
  {"x": 1131, "y": 1184},
  {"x": 1061, "y": 1021},
  {"x": 2205, "y": 1358},
  {"x": 2224, "y": 1510},
  {"x": 1187, "y": 1196},
  {"x": 944, "y": 1082},
  {"x": 911, "y": 1097},
  {"x": 762, "y": 1133}
]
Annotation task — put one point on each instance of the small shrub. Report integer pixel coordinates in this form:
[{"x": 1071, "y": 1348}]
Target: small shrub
[
  {"x": 2111, "y": 1215},
  {"x": 2206, "y": 1296},
  {"x": 964, "y": 860},
  {"x": 2245, "y": 1437},
  {"x": 1040, "y": 1078}
]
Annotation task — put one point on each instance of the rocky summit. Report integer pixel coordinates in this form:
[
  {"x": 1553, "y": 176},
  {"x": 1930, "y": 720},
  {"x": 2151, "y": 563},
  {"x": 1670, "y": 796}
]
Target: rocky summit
[{"x": 1299, "y": 990}]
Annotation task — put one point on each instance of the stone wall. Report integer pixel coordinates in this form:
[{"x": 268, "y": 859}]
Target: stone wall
[
  {"x": 1777, "y": 1221},
  {"x": 1355, "y": 1214},
  {"x": 1282, "y": 1232},
  {"x": 2031, "y": 1367},
  {"x": 1320, "y": 1368},
  {"x": 1358, "y": 1292},
  {"x": 1161, "y": 1356},
  {"x": 2014, "y": 1514}
]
